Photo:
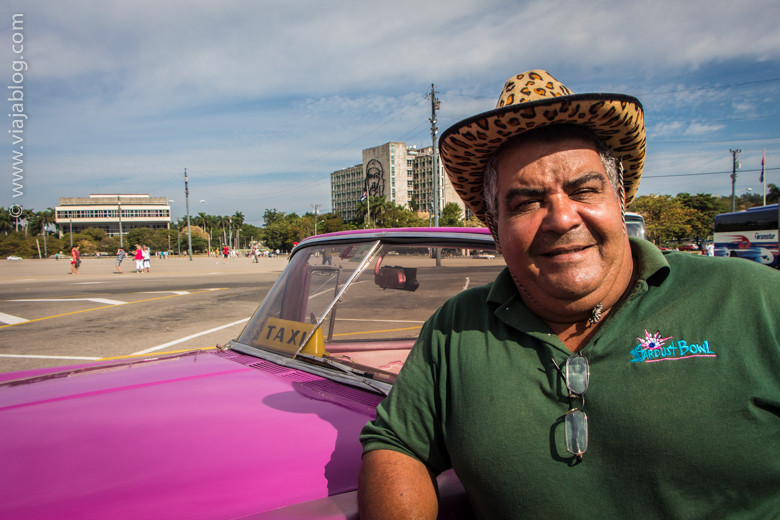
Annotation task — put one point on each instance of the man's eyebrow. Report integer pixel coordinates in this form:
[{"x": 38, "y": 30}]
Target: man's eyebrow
[
  {"x": 523, "y": 192},
  {"x": 586, "y": 178}
]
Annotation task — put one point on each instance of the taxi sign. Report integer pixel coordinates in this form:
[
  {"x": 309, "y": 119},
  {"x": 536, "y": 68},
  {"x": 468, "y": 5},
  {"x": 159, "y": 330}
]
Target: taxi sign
[{"x": 288, "y": 336}]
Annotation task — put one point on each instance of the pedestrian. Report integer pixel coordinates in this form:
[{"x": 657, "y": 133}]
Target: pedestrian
[
  {"x": 75, "y": 260},
  {"x": 677, "y": 354},
  {"x": 139, "y": 259},
  {"x": 254, "y": 254},
  {"x": 225, "y": 253},
  {"x": 146, "y": 255},
  {"x": 120, "y": 255}
]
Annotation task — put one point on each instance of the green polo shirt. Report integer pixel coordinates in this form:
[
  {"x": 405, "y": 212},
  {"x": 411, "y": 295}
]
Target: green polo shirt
[{"x": 683, "y": 405}]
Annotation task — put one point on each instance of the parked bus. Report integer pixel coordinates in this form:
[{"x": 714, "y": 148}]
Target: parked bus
[
  {"x": 750, "y": 234},
  {"x": 635, "y": 225}
]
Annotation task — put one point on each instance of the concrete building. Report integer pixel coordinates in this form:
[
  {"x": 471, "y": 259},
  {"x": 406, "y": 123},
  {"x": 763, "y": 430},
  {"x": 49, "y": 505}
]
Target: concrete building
[
  {"x": 401, "y": 174},
  {"x": 102, "y": 211}
]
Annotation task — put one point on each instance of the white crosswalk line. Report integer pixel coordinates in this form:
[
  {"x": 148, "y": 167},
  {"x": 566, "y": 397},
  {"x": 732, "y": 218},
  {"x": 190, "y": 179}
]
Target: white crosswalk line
[{"x": 11, "y": 320}]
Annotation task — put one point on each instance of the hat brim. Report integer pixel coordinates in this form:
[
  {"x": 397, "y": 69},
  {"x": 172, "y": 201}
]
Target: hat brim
[{"x": 466, "y": 147}]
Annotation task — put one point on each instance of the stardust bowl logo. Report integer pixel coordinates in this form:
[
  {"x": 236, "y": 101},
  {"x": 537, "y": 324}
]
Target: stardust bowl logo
[{"x": 655, "y": 348}]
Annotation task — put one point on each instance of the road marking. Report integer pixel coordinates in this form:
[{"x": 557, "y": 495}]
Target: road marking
[
  {"x": 104, "y": 307},
  {"x": 30, "y": 356},
  {"x": 182, "y": 340},
  {"x": 105, "y": 301},
  {"x": 87, "y": 283},
  {"x": 7, "y": 318},
  {"x": 375, "y": 331},
  {"x": 167, "y": 292},
  {"x": 375, "y": 321}
]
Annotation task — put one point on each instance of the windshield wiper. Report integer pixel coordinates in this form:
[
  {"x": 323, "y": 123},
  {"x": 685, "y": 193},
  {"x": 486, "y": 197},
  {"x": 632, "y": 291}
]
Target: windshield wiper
[
  {"x": 360, "y": 268},
  {"x": 354, "y": 375}
]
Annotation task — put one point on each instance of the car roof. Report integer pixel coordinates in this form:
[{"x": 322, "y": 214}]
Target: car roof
[{"x": 455, "y": 235}]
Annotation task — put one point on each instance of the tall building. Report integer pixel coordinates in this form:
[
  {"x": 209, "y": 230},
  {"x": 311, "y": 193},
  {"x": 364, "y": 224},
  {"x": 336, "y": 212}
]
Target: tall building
[
  {"x": 103, "y": 212},
  {"x": 401, "y": 174}
]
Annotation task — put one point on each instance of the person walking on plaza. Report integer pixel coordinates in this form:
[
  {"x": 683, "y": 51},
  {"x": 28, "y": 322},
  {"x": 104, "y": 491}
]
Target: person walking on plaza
[
  {"x": 226, "y": 253},
  {"x": 596, "y": 377},
  {"x": 120, "y": 255},
  {"x": 75, "y": 260},
  {"x": 139, "y": 259},
  {"x": 146, "y": 255}
]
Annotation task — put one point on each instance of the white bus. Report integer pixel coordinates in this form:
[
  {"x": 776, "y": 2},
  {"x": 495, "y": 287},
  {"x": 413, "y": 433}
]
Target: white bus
[{"x": 750, "y": 234}]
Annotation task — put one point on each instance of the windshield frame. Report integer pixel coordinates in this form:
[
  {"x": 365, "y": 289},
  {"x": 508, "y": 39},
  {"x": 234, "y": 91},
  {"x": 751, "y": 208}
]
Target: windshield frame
[{"x": 377, "y": 242}]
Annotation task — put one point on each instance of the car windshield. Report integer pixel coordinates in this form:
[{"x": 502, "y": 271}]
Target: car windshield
[{"x": 358, "y": 306}]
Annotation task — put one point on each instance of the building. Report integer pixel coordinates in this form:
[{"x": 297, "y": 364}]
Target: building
[
  {"x": 74, "y": 214},
  {"x": 401, "y": 174}
]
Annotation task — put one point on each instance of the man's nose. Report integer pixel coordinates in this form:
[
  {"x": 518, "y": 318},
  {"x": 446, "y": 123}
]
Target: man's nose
[{"x": 561, "y": 215}]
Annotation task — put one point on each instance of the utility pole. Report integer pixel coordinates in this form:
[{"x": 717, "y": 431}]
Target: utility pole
[
  {"x": 316, "y": 209},
  {"x": 119, "y": 213},
  {"x": 734, "y": 167},
  {"x": 187, "y": 202},
  {"x": 435, "y": 105}
]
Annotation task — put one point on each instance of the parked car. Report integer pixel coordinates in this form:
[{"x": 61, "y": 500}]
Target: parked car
[{"x": 266, "y": 427}]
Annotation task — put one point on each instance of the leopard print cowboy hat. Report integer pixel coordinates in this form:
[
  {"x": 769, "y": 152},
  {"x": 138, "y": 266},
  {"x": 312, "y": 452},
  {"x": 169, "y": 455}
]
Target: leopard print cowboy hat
[{"x": 531, "y": 100}]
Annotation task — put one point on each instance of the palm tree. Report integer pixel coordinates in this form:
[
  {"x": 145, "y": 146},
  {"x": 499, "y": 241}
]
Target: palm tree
[
  {"x": 45, "y": 218},
  {"x": 237, "y": 221},
  {"x": 199, "y": 219},
  {"x": 6, "y": 223}
]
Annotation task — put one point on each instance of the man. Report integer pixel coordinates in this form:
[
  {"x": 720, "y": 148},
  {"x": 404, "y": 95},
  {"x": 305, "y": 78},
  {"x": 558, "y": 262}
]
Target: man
[
  {"x": 120, "y": 255},
  {"x": 596, "y": 377}
]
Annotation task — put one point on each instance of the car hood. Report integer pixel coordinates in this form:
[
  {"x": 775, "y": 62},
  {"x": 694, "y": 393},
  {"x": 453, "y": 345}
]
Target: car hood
[{"x": 199, "y": 435}]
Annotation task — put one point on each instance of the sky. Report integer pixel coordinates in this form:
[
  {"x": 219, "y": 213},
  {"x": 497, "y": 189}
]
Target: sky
[{"x": 262, "y": 100}]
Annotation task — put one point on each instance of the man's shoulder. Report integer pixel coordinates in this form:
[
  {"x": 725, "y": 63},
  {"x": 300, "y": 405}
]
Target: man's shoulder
[{"x": 721, "y": 273}]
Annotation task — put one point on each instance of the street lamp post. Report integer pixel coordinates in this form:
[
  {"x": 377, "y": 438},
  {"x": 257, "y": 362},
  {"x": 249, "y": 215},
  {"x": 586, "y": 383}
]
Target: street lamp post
[
  {"x": 734, "y": 167},
  {"x": 187, "y": 202},
  {"x": 119, "y": 206}
]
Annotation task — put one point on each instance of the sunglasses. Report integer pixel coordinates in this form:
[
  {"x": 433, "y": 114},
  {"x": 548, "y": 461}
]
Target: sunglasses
[{"x": 576, "y": 374}]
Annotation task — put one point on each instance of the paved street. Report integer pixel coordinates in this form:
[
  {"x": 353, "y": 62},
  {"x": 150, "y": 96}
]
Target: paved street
[{"x": 49, "y": 317}]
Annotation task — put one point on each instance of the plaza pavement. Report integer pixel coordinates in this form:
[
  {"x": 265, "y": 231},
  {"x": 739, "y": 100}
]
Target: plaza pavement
[{"x": 97, "y": 269}]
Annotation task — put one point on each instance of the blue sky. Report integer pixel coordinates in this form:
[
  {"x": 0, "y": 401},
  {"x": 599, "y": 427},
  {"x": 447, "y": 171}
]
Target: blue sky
[{"x": 261, "y": 101}]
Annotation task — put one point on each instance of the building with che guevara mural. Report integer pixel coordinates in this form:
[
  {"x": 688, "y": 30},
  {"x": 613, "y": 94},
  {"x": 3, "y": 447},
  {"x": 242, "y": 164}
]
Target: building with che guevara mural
[{"x": 401, "y": 174}]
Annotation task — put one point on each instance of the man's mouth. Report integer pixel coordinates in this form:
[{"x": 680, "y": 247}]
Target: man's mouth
[{"x": 565, "y": 251}]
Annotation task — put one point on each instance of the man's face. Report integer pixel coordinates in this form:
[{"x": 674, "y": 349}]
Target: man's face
[{"x": 560, "y": 225}]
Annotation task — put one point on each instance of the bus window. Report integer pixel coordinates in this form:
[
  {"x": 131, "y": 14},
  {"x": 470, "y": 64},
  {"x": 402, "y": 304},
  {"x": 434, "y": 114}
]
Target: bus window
[{"x": 750, "y": 234}]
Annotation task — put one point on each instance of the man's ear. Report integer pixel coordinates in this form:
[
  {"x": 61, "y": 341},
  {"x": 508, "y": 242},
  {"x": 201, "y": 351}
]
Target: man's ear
[{"x": 491, "y": 224}]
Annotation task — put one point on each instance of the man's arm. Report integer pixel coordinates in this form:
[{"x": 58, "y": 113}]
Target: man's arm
[{"x": 393, "y": 485}]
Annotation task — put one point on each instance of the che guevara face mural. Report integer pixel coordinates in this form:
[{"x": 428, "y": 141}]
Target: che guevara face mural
[{"x": 375, "y": 179}]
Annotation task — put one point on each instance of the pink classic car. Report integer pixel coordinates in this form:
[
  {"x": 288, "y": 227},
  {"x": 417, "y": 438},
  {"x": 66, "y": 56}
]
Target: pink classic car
[{"x": 267, "y": 427}]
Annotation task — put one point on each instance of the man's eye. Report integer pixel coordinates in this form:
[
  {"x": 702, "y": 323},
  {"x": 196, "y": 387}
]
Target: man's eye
[
  {"x": 586, "y": 191},
  {"x": 523, "y": 205}
]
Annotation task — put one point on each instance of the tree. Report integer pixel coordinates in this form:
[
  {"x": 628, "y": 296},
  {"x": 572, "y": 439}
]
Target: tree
[
  {"x": 451, "y": 216},
  {"x": 705, "y": 207},
  {"x": 6, "y": 221},
  {"x": 666, "y": 218},
  {"x": 95, "y": 234},
  {"x": 139, "y": 236},
  {"x": 772, "y": 194},
  {"x": 271, "y": 216}
]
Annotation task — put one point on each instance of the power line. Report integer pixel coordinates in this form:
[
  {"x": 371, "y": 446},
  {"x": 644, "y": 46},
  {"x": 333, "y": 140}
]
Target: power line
[
  {"x": 705, "y": 173},
  {"x": 742, "y": 84},
  {"x": 732, "y": 140}
]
